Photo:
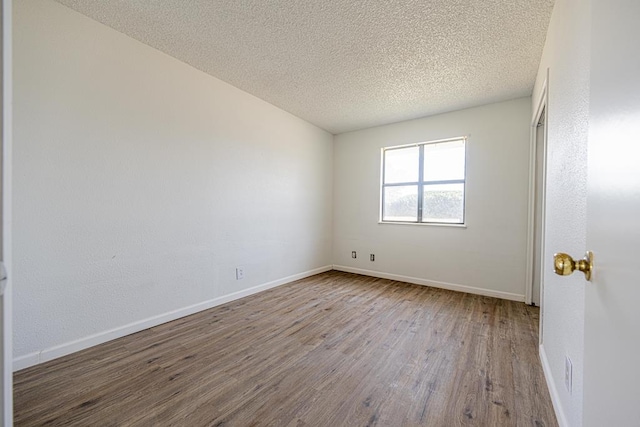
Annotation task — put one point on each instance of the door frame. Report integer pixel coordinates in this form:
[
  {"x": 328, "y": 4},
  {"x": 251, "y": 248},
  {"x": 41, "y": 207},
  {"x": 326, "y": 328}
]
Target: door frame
[
  {"x": 6, "y": 73},
  {"x": 541, "y": 106}
]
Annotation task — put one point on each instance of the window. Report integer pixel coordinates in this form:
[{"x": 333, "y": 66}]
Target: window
[{"x": 424, "y": 183}]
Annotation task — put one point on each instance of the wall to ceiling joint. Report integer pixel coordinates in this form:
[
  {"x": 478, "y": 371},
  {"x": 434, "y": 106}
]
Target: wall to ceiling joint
[{"x": 345, "y": 65}]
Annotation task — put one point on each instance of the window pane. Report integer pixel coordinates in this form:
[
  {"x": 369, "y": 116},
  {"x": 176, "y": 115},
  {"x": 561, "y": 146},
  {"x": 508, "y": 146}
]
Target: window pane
[
  {"x": 401, "y": 165},
  {"x": 443, "y": 203},
  {"x": 444, "y": 161},
  {"x": 401, "y": 203}
]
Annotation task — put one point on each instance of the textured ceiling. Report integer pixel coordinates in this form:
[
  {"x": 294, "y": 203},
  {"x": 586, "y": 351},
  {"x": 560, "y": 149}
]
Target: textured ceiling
[{"x": 347, "y": 64}]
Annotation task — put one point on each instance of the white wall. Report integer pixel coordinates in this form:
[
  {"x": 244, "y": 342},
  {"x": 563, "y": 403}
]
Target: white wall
[
  {"x": 566, "y": 54},
  {"x": 141, "y": 183},
  {"x": 489, "y": 255}
]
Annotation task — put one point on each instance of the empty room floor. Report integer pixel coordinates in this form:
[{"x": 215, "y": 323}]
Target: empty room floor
[{"x": 335, "y": 349}]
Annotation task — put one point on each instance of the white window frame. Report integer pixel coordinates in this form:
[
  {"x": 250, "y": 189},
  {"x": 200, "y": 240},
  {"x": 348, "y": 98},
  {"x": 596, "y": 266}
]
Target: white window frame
[{"x": 421, "y": 183}]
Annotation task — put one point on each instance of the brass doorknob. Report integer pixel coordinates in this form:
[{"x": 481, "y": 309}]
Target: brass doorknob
[{"x": 564, "y": 265}]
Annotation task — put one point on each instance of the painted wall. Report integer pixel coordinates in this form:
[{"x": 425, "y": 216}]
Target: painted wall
[
  {"x": 141, "y": 183},
  {"x": 566, "y": 55},
  {"x": 489, "y": 255}
]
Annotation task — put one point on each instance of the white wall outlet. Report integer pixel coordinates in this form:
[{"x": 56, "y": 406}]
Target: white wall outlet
[
  {"x": 353, "y": 254},
  {"x": 372, "y": 257},
  {"x": 239, "y": 273},
  {"x": 568, "y": 374}
]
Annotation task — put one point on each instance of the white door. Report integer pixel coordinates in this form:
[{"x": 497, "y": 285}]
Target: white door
[
  {"x": 6, "y": 371},
  {"x": 612, "y": 299}
]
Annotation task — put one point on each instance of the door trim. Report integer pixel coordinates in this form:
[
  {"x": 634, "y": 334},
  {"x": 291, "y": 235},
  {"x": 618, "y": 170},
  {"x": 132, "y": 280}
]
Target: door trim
[
  {"x": 7, "y": 141},
  {"x": 541, "y": 106}
]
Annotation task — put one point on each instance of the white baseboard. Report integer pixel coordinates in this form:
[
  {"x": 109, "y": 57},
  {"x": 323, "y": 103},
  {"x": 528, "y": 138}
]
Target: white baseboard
[
  {"x": 51, "y": 353},
  {"x": 26, "y": 360},
  {"x": 553, "y": 391},
  {"x": 433, "y": 283}
]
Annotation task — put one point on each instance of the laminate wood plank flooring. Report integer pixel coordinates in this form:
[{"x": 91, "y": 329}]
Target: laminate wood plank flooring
[{"x": 335, "y": 349}]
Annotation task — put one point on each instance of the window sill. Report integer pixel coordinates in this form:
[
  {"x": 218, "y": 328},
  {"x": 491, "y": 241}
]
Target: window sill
[{"x": 429, "y": 224}]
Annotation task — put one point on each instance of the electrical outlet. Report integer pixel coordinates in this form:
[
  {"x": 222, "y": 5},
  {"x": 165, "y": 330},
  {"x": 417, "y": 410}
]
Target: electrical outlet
[
  {"x": 568, "y": 374},
  {"x": 239, "y": 273},
  {"x": 353, "y": 254},
  {"x": 372, "y": 257}
]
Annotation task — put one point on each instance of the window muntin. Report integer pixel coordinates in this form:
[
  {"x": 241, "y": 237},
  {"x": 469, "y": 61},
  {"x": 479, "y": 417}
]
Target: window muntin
[{"x": 438, "y": 197}]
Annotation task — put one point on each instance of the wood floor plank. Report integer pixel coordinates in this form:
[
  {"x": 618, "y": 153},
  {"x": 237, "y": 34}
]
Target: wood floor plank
[{"x": 334, "y": 349}]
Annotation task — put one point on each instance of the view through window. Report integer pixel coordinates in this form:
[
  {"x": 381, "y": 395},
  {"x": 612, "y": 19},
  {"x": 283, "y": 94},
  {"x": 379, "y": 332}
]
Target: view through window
[{"x": 424, "y": 183}]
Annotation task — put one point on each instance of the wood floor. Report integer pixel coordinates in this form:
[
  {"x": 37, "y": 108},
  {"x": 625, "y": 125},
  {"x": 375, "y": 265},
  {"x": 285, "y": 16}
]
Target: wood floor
[{"x": 335, "y": 349}]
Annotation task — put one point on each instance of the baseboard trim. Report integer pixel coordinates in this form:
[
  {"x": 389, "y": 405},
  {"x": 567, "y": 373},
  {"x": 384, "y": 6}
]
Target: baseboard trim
[
  {"x": 51, "y": 353},
  {"x": 553, "y": 391},
  {"x": 433, "y": 283},
  {"x": 26, "y": 360}
]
